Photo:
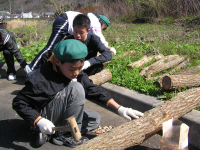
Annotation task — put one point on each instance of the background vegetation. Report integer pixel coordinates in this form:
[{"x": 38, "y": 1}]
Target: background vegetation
[{"x": 146, "y": 26}]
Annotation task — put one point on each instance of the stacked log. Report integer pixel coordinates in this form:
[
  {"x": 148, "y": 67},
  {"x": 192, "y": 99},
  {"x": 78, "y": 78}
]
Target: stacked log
[
  {"x": 101, "y": 77},
  {"x": 182, "y": 64},
  {"x": 163, "y": 64},
  {"x": 136, "y": 131},
  {"x": 144, "y": 60},
  {"x": 189, "y": 71},
  {"x": 172, "y": 82}
]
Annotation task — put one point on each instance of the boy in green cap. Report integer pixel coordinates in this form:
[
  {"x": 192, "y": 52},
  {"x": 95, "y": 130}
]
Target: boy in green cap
[{"x": 50, "y": 96}]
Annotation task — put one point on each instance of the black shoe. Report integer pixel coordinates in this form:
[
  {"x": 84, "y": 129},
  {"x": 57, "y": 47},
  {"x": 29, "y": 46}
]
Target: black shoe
[
  {"x": 42, "y": 139},
  {"x": 69, "y": 141}
]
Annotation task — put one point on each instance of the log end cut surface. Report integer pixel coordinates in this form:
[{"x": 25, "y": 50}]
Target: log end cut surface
[{"x": 166, "y": 82}]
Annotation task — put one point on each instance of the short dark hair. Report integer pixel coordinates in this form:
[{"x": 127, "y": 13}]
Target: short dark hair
[{"x": 81, "y": 20}]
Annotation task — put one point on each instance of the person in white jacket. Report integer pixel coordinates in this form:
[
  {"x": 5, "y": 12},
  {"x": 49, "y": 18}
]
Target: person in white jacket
[{"x": 62, "y": 26}]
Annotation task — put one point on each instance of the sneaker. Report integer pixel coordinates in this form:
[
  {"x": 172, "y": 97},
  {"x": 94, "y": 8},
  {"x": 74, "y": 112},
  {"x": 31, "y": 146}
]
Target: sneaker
[
  {"x": 27, "y": 69},
  {"x": 11, "y": 77},
  {"x": 42, "y": 139},
  {"x": 69, "y": 141}
]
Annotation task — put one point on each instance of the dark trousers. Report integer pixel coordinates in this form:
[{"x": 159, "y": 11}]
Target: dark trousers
[{"x": 9, "y": 61}]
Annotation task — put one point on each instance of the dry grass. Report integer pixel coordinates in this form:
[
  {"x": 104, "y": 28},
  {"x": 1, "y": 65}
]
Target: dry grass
[{"x": 18, "y": 23}]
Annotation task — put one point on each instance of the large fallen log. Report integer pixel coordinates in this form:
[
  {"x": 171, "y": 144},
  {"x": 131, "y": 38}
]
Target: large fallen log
[
  {"x": 157, "y": 63},
  {"x": 101, "y": 77},
  {"x": 189, "y": 71},
  {"x": 144, "y": 60},
  {"x": 164, "y": 65},
  {"x": 136, "y": 131},
  {"x": 172, "y": 82}
]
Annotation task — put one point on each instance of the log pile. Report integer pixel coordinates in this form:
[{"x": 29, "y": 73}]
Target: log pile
[
  {"x": 163, "y": 64},
  {"x": 171, "y": 80},
  {"x": 136, "y": 131},
  {"x": 144, "y": 60}
]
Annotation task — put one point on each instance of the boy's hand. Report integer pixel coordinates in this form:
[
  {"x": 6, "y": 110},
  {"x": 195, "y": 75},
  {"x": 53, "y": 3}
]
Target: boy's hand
[
  {"x": 86, "y": 65},
  {"x": 127, "y": 113},
  {"x": 113, "y": 51},
  {"x": 45, "y": 126}
]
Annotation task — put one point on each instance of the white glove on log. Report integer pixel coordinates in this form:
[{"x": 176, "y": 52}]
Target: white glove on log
[
  {"x": 86, "y": 65},
  {"x": 127, "y": 113},
  {"x": 113, "y": 51},
  {"x": 45, "y": 126}
]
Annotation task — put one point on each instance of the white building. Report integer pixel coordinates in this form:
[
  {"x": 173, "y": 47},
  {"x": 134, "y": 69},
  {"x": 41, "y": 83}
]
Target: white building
[{"x": 26, "y": 15}]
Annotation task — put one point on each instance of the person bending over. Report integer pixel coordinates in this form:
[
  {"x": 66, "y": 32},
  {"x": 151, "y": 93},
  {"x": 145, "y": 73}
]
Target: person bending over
[{"x": 50, "y": 96}]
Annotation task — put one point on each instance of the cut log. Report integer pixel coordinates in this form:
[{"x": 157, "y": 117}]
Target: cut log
[
  {"x": 132, "y": 52},
  {"x": 101, "y": 77},
  {"x": 136, "y": 131},
  {"x": 164, "y": 65},
  {"x": 182, "y": 64},
  {"x": 144, "y": 60},
  {"x": 161, "y": 61},
  {"x": 172, "y": 82},
  {"x": 189, "y": 71}
]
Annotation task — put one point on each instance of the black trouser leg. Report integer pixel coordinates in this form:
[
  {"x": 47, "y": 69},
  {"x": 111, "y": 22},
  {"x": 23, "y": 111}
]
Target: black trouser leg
[{"x": 9, "y": 61}]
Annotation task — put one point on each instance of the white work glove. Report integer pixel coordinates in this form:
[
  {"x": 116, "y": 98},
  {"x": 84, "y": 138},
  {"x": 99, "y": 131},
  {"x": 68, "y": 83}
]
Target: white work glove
[
  {"x": 113, "y": 51},
  {"x": 74, "y": 80},
  {"x": 127, "y": 113},
  {"x": 45, "y": 126},
  {"x": 86, "y": 65}
]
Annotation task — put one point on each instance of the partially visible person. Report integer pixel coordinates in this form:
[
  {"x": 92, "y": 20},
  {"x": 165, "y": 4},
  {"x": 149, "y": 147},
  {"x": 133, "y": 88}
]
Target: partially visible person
[
  {"x": 51, "y": 95},
  {"x": 9, "y": 47},
  {"x": 62, "y": 26},
  {"x": 93, "y": 63}
]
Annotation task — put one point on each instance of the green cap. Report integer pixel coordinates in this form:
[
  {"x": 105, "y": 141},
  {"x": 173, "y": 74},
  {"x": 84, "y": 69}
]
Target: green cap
[
  {"x": 104, "y": 19},
  {"x": 69, "y": 50}
]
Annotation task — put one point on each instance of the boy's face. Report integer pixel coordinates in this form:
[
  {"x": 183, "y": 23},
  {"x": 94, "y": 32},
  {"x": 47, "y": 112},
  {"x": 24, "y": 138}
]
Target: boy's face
[
  {"x": 80, "y": 33},
  {"x": 70, "y": 70}
]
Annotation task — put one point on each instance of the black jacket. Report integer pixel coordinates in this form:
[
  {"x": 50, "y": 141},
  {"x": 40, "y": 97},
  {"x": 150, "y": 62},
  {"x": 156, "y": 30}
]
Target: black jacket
[
  {"x": 94, "y": 45},
  {"x": 7, "y": 42},
  {"x": 43, "y": 84}
]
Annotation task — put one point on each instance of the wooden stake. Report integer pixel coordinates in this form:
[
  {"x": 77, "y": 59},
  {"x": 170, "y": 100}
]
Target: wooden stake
[{"x": 136, "y": 131}]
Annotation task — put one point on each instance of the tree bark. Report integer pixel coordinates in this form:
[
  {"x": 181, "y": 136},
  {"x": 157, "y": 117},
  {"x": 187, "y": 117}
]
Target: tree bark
[
  {"x": 182, "y": 64},
  {"x": 172, "y": 82},
  {"x": 164, "y": 65},
  {"x": 136, "y": 131},
  {"x": 132, "y": 52},
  {"x": 189, "y": 71},
  {"x": 101, "y": 77},
  {"x": 144, "y": 60},
  {"x": 157, "y": 63}
]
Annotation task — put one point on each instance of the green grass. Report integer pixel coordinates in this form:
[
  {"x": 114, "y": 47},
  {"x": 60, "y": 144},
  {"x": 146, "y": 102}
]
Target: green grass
[{"x": 168, "y": 39}]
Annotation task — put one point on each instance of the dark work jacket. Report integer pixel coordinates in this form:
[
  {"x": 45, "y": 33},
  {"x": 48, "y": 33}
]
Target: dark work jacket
[
  {"x": 94, "y": 45},
  {"x": 43, "y": 84},
  {"x": 8, "y": 42}
]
